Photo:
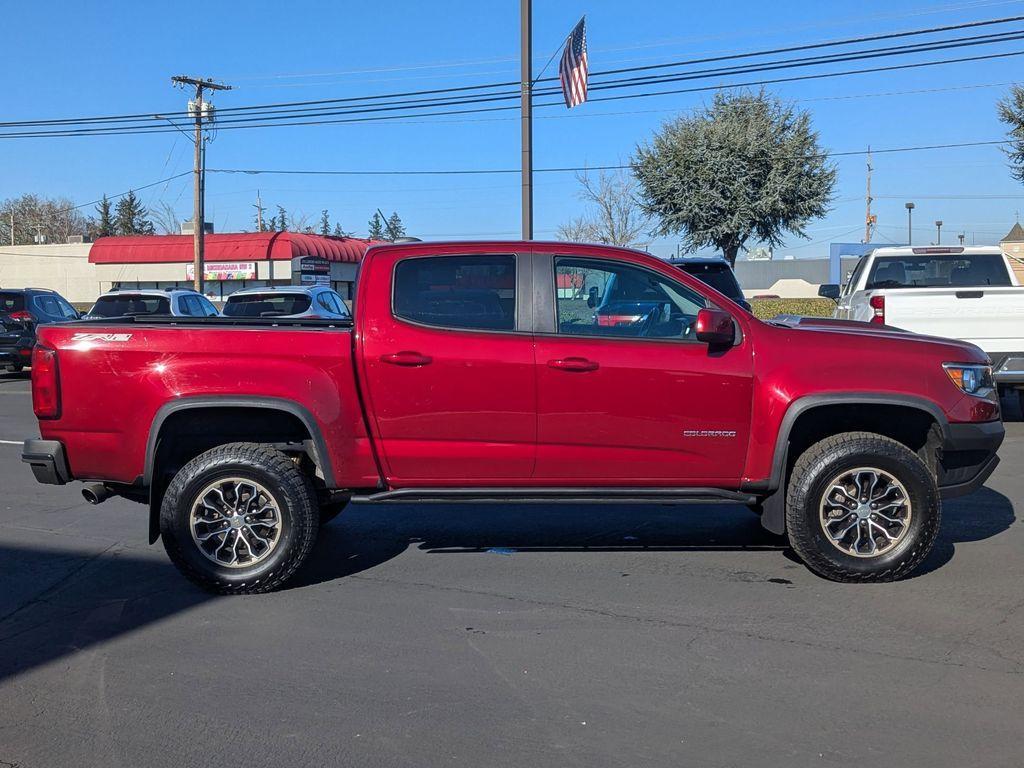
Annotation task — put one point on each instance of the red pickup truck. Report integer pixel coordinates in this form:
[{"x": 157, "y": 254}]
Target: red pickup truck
[{"x": 520, "y": 371}]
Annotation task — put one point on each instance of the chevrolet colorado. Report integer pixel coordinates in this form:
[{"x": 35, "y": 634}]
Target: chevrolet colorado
[{"x": 482, "y": 371}]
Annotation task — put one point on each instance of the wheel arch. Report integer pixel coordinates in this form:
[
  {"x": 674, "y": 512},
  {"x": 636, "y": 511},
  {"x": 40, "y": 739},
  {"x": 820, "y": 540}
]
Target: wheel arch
[
  {"x": 802, "y": 408},
  {"x": 171, "y": 412}
]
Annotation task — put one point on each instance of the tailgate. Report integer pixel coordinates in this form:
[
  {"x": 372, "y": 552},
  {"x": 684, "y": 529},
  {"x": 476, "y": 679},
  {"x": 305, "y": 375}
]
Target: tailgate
[{"x": 991, "y": 318}]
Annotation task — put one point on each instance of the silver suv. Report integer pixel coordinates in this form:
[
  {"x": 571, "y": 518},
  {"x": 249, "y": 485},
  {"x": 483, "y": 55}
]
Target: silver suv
[
  {"x": 292, "y": 301},
  {"x": 129, "y": 302}
]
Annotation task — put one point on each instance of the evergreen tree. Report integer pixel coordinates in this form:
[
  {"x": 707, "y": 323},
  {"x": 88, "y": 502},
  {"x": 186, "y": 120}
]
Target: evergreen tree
[
  {"x": 272, "y": 224},
  {"x": 105, "y": 224},
  {"x": 131, "y": 216},
  {"x": 376, "y": 227},
  {"x": 747, "y": 167},
  {"x": 325, "y": 223},
  {"x": 394, "y": 228},
  {"x": 282, "y": 219}
]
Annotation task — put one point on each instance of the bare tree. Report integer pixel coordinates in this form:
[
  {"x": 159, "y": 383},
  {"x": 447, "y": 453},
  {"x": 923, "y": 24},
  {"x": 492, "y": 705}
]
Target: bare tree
[
  {"x": 53, "y": 219},
  {"x": 166, "y": 219},
  {"x": 614, "y": 216},
  {"x": 578, "y": 230}
]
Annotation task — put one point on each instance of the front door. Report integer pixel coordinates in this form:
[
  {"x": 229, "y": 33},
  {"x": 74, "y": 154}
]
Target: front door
[
  {"x": 449, "y": 368},
  {"x": 626, "y": 395}
]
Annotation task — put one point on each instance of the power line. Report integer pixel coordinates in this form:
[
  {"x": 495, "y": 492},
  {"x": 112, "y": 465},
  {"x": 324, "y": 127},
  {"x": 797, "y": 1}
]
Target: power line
[
  {"x": 919, "y": 47},
  {"x": 566, "y": 169},
  {"x": 384, "y": 118}
]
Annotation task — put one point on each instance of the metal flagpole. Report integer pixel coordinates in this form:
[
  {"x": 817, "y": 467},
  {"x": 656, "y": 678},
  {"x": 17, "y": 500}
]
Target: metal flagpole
[{"x": 526, "y": 55}]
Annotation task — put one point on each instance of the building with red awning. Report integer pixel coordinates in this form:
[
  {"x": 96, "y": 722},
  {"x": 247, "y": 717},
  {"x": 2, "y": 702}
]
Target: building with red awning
[{"x": 232, "y": 261}]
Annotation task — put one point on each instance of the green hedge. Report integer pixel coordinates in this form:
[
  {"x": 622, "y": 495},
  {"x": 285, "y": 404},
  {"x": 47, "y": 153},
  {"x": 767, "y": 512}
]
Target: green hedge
[{"x": 769, "y": 308}]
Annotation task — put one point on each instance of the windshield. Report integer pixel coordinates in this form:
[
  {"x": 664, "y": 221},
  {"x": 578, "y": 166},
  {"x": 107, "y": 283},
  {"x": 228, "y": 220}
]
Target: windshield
[
  {"x": 11, "y": 302},
  {"x": 718, "y": 276},
  {"x": 266, "y": 305},
  {"x": 125, "y": 304},
  {"x": 941, "y": 271}
]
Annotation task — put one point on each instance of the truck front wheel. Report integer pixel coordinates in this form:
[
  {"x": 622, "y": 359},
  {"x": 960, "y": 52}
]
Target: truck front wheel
[
  {"x": 239, "y": 519},
  {"x": 861, "y": 507}
]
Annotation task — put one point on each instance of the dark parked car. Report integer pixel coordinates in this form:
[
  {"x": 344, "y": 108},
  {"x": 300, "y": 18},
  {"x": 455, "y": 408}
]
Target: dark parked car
[
  {"x": 21, "y": 310},
  {"x": 717, "y": 273},
  {"x": 630, "y": 303}
]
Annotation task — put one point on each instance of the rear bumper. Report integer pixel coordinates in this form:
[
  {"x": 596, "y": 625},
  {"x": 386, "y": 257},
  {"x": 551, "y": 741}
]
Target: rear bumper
[
  {"x": 969, "y": 456},
  {"x": 1007, "y": 367},
  {"x": 46, "y": 457}
]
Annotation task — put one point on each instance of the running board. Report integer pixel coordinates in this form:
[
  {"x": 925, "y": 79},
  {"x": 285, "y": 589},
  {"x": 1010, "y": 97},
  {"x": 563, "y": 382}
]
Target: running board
[{"x": 553, "y": 495}]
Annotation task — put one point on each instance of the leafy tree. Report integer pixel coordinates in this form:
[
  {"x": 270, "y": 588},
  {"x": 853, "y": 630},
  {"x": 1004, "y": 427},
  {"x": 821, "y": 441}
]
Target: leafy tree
[
  {"x": 376, "y": 227},
  {"x": 282, "y": 220},
  {"x": 1011, "y": 113},
  {"x": 104, "y": 226},
  {"x": 393, "y": 227},
  {"x": 131, "y": 216},
  {"x": 325, "y": 223},
  {"x": 55, "y": 219},
  {"x": 747, "y": 166},
  {"x": 615, "y": 218}
]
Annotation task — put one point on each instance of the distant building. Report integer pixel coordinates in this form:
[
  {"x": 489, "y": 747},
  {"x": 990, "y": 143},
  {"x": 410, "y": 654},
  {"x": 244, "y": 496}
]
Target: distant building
[
  {"x": 1013, "y": 246},
  {"x": 82, "y": 271}
]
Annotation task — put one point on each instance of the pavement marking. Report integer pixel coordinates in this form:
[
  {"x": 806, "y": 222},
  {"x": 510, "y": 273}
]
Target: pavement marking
[{"x": 12, "y": 442}]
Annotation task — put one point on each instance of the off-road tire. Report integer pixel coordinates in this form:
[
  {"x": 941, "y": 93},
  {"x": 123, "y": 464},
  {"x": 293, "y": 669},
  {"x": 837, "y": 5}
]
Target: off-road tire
[
  {"x": 815, "y": 468},
  {"x": 292, "y": 491}
]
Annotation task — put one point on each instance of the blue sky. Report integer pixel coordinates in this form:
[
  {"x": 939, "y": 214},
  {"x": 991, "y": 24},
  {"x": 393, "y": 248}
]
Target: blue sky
[{"x": 73, "y": 59}]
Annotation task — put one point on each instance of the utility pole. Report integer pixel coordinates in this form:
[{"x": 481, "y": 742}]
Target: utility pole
[
  {"x": 259, "y": 212},
  {"x": 910, "y": 228},
  {"x": 197, "y": 109},
  {"x": 526, "y": 110},
  {"x": 869, "y": 220},
  {"x": 938, "y": 232}
]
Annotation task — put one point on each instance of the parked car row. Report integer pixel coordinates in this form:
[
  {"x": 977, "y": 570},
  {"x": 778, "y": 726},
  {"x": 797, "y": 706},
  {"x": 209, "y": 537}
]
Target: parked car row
[{"x": 23, "y": 309}]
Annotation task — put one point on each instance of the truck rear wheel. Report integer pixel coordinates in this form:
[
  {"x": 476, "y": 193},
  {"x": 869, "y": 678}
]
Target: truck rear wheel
[
  {"x": 861, "y": 507},
  {"x": 239, "y": 519}
]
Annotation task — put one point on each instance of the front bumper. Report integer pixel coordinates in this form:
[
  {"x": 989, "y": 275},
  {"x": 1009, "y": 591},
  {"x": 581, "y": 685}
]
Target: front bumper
[
  {"x": 969, "y": 456},
  {"x": 46, "y": 457}
]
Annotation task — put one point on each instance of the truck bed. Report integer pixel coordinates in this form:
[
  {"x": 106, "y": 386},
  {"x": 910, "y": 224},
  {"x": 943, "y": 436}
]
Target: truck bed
[{"x": 119, "y": 377}]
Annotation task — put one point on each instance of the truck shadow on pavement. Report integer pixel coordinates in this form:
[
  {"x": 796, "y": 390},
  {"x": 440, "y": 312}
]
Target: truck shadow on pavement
[
  {"x": 364, "y": 536},
  {"x": 55, "y": 603}
]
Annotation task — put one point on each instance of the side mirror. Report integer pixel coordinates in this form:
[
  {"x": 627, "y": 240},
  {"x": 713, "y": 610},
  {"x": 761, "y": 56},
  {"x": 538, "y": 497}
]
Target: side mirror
[
  {"x": 715, "y": 327},
  {"x": 829, "y": 291},
  {"x": 592, "y": 297}
]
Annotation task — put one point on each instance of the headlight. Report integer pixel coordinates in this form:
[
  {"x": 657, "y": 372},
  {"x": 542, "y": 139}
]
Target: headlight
[{"x": 972, "y": 379}]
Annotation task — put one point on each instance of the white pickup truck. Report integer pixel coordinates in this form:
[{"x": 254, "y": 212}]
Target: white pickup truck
[{"x": 967, "y": 293}]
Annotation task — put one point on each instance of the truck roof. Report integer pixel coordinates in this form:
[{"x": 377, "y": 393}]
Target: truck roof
[{"x": 935, "y": 250}]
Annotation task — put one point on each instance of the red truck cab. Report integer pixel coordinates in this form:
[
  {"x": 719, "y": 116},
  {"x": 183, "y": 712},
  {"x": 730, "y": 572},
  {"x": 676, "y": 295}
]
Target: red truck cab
[{"x": 490, "y": 371}]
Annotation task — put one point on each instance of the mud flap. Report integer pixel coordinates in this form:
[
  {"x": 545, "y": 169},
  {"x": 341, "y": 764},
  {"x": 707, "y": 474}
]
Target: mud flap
[{"x": 773, "y": 516}]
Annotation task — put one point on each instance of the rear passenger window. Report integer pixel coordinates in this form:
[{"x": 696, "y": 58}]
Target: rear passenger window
[{"x": 477, "y": 292}]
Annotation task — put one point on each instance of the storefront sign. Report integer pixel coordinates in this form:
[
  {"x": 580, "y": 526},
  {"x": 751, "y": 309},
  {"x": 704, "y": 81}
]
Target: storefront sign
[
  {"x": 311, "y": 270},
  {"x": 224, "y": 270}
]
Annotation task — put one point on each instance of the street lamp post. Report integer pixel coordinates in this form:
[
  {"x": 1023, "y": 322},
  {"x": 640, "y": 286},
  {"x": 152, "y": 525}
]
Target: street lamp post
[
  {"x": 910, "y": 228},
  {"x": 938, "y": 232}
]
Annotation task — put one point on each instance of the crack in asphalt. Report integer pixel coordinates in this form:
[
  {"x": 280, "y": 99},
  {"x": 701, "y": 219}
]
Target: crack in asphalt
[{"x": 658, "y": 622}]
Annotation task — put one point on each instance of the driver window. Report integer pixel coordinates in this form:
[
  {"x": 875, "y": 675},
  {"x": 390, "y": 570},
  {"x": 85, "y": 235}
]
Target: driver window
[{"x": 607, "y": 298}]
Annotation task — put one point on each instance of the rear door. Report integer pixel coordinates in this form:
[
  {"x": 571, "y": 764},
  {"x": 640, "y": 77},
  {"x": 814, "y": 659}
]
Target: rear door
[
  {"x": 447, "y": 366},
  {"x": 637, "y": 403}
]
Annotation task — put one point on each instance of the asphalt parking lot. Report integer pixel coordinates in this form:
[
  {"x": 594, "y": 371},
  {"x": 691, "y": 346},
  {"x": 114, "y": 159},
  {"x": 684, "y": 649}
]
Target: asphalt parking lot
[{"x": 522, "y": 635}]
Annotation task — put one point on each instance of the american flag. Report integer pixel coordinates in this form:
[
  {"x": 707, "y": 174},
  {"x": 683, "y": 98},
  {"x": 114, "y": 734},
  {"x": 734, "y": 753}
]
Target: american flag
[{"x": 572, "y": 69}]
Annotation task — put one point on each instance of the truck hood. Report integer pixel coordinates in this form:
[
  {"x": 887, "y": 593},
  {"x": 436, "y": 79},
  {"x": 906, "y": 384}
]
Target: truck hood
[{"x": 857, "y": 331}]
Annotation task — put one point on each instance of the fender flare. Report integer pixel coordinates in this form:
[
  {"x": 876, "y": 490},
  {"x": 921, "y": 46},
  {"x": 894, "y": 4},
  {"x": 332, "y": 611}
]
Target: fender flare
[
  {"x": 321, "y": 455},
  {"x": 774, "y": 516}
]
